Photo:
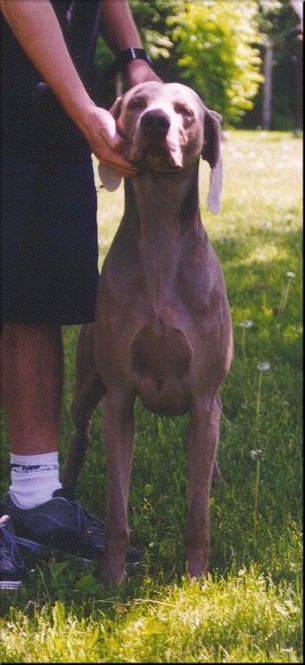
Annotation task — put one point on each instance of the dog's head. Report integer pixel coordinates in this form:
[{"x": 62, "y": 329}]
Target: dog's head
[{"x": 167, "y": 127}]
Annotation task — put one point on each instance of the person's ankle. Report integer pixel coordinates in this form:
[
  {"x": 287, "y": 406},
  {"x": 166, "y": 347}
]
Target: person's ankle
[{"x": 34, "y": 479}]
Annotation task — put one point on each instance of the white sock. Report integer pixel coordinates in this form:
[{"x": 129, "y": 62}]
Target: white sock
[{"x": 34, "y": 479}]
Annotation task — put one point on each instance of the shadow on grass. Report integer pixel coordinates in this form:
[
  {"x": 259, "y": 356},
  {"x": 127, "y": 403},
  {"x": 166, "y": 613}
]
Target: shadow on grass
[{"x": 255, "y": 290}]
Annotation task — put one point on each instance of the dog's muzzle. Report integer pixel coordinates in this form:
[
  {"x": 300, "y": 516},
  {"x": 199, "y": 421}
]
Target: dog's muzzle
[{"x": 156, "y": 123}]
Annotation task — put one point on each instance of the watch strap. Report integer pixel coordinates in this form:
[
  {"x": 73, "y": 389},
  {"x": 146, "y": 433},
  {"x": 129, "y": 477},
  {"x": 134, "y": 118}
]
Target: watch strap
[{"x": 127, "y": 56}]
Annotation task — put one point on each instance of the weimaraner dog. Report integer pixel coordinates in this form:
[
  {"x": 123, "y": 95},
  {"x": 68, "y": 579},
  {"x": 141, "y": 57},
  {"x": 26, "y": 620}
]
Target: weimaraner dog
[{"x": 162, "y": 329}]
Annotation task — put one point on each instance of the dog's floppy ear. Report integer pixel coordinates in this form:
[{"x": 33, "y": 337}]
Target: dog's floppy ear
[
  {"x": 211, "y": 153},
  {"x": 109, "y": 178},
  {"x": 115, "y": 109}
]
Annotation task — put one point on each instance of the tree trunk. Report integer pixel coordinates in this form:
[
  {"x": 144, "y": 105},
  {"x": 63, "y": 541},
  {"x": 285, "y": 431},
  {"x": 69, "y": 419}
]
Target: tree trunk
[
  {"x": 298, "y": 101},
  {"x": 267, "y": 89}
]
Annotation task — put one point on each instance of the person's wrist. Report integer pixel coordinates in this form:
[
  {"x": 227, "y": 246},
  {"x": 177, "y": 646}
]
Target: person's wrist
[
  {"x": 139, "y": 71},
  {"x": 126, "y": 57},
  {"x": 83, "y": 113}
]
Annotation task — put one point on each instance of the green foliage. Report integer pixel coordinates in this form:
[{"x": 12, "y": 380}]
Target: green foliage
[
  {"x": 277, "y": 22},
  {"x": 216, "y": 47},
  {"x": 276, "y": 18},
  {"x": 215, "y": 41},
  {"x": 250, "y": 607},
  {"x": 151, "y": 18}
]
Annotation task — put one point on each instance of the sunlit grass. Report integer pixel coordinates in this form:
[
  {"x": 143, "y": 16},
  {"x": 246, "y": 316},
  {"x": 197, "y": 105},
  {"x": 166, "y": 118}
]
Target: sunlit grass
[{"x": 244, "y": 618}]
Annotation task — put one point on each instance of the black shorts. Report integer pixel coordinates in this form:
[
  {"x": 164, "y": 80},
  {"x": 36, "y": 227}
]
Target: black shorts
[{"x": 49, "y": 250}]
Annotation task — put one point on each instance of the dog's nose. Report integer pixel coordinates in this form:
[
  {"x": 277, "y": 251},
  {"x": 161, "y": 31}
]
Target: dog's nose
[{"x": 155, "y": 122}]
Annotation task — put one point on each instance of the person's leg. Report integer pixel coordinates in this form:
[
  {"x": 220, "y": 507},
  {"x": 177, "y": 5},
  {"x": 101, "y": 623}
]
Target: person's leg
[
  {"x": 50, "y": 278},
  {"x": 40, "y": 510},
  {"x": 49, "y": 252},
  {"x": 32, "y": 387},
  {"x": 32, "y": 362},
  {"x": 32, "y": 370}
]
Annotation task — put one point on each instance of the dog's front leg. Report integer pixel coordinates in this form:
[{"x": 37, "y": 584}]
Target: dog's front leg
[
  {"x": 202, "y": 445},
  {"x": 118, "y": 436}
]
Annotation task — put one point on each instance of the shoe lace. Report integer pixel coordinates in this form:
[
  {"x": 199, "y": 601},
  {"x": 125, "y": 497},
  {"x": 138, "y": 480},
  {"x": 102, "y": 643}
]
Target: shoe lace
[
  {"x": 85, "y": 521},
  {"x": 9, "y": 540}
]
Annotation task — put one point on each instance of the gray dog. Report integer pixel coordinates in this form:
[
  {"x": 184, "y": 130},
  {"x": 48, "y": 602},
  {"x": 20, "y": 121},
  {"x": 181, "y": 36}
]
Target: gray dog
[{"x": 162, "y": 329}]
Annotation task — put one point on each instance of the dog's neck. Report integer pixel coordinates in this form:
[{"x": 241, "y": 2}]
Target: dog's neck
[
  {"x": 168, "y": 200},
  {"x": 162, "y": 220}
]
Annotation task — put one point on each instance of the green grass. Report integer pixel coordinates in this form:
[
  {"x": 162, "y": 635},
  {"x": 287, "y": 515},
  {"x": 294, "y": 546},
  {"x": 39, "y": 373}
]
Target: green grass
[{"x": 250, "y": 608}]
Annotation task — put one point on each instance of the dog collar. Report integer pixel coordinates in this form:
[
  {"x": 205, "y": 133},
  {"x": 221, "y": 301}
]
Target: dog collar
[{"x": 127, "y": 56}]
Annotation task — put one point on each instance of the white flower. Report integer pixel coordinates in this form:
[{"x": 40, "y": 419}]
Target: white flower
[
  {"x": 290, "y": 274},
  {"x": 256, "y": 454},
  {"x": 246, "y": 324},
  {"x": 263, "y": 367},
  {"x": 241, "y": 572}
]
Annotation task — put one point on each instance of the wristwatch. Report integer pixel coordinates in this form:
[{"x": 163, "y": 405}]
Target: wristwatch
[{"x": 127, "y": 56}]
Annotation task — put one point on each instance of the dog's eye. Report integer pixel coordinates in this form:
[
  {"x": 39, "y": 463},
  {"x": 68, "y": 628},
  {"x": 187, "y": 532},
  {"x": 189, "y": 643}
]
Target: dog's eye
[
  {"x": 184, "y": 110},
  {"x": 135, "y": 104}
]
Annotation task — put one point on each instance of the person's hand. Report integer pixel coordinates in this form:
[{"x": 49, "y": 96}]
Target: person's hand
[{"x": 99, "y": 129}]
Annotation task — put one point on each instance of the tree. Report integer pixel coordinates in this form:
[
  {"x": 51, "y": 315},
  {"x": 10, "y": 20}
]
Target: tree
[
  {"x": 216, "y": 42},
  {"x": 151, "y": 20},
  {"x": 278, "y": 104}
]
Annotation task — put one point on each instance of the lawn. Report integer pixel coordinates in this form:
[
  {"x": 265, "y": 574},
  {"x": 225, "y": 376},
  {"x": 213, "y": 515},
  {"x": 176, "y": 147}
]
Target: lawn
[{"x": 250, "y": 607}]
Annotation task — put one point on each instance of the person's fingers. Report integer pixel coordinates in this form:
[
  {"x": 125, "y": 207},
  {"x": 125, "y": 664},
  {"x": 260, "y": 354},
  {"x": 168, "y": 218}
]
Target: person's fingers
[
  {"x": 110, "y": 154},
  {"x": 107, "y": 145},
  {"x": 115, "y": 161}
]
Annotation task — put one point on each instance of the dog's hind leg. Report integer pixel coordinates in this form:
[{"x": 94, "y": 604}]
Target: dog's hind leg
[
  {"x": 87, "y": 393},
  {"x": 217, "y": 478}
]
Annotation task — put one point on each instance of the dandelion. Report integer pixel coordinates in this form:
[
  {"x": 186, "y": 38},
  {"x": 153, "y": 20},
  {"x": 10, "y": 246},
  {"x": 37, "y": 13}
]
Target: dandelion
[
  {"x": 256, "y": 455},
  {"x": 262, "y": 367},
  {"x": 244, "y": 325},
  {"x": 290, "y": 275},
  {"x": 242, "y": 572}
]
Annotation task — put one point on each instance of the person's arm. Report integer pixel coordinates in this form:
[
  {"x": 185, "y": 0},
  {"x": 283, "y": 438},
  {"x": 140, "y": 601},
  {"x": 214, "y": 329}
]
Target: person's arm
[
  {"x": 35, "y": 26},
  {"x": 120, "y": 32}
]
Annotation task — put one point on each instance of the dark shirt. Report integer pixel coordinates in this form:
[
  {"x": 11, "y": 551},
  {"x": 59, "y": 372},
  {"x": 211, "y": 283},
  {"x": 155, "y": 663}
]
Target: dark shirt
[{"x": 33, "y": 122}]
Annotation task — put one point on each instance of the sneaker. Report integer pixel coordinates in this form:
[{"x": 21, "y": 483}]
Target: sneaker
[
  {"x": 61, "y": 524},
  {"x": 11, "y": 563}
]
